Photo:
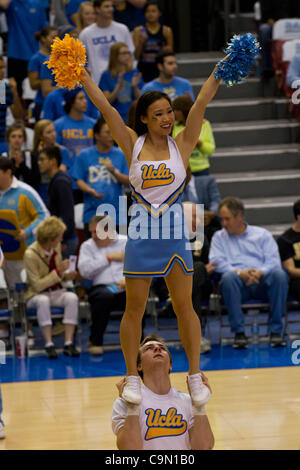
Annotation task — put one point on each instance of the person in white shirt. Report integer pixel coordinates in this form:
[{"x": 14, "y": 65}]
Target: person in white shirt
[
  {"x": 99, "y": 36},
  {"x": 166, "y": 419},
  {"x": 101, "y": 260}
]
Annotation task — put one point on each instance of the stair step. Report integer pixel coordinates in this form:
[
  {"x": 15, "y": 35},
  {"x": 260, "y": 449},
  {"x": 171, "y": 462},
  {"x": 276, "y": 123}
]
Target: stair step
[
  {"x": 255, "y": 158},
  {"x": 251, "y": 88},
  {"x": 278, "y": 229},
  {"x": 261, "y": 184},
  {"x": 270, "y": 211},
  {"x": 250, "y": 109},
  {"x": 281, "y": 131}
]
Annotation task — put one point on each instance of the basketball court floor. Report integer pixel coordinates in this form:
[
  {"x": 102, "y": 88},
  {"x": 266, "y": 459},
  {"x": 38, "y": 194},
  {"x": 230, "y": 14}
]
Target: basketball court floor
[{"x": 66, "y": 404}]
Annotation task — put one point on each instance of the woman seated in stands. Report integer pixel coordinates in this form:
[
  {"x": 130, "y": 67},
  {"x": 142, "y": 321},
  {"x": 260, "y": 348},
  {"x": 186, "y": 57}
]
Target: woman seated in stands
[{"x": 45, "y": 273}]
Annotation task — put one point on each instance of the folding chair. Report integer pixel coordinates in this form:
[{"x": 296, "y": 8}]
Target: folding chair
[{"x": 30, "y": 314}]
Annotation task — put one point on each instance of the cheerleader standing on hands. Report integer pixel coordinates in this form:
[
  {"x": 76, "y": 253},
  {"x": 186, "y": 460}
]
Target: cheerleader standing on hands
[
  {"x": 148, "y": 147},
  {"x": 157, "y": 175}
]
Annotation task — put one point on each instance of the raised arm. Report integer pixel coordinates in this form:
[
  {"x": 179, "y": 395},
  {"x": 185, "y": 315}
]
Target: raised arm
[
  {"x": 189, "y": 136},
  {"x": 123, "y": 135}
]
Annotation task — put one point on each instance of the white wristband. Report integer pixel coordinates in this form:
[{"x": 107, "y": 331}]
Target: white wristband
[
  {"x": 133, "y": 410},
  {"x": 199, "y": 410}
]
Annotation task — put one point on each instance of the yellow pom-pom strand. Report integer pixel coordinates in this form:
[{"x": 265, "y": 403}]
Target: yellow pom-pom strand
[{"x": 67, "y": 61}]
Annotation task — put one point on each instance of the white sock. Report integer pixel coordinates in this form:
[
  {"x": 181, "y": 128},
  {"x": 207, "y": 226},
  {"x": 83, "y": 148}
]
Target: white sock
[
  {"x": 49, "y": 344},
  {"x": 67, "y": 343}
]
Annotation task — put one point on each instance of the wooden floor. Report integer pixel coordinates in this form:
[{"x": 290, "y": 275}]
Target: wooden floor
[{"x": 249, "y": 409}]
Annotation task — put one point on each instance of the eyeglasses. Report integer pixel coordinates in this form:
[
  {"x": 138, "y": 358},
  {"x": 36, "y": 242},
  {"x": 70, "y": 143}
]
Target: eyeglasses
[{"x": 125, "y": 52}]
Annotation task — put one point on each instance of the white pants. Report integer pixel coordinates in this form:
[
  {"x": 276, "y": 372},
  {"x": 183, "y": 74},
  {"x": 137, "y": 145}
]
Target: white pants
[{"x": 57, "y": 298}]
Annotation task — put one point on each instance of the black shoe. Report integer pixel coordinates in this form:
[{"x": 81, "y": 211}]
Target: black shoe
[
  {"x": 276, "y": 340},
  {"x": 71, "y": 351},
  {"x": 51, "y": 352},
  {"x": 240, "y": 341}
]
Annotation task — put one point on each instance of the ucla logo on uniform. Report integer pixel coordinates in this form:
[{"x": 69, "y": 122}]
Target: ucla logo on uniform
[
  {"x": 160, "y": 425},
  {"x": 152, "y": 177}
]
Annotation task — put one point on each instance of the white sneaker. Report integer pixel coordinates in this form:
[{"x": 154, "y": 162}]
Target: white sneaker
[
  {"x": 132, "y": 390},
  {"x": 2, "y": 431},
  {"x": 199, "y": 392}
]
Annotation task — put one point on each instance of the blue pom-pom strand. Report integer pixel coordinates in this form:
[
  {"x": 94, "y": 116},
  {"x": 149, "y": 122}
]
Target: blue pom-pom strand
[{"x": 242, "y": 51}]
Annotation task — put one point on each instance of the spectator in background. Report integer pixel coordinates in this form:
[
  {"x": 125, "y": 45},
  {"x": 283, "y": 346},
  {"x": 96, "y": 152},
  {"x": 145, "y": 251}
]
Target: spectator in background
[
  {"x": 289, "y": 249},
  {"x": 199, "y": 162},
  {"x": 22, "y": 210},
  {"x": 12, "y": 101},
  {"x": 48, "y": 82},
  {"x": 271, "y": 11},
  {"x": 24, "y": 19},
  {"x": 151, "y": 39},
  {"x": 248, "y": 259},
  {"x": 72, "y": 11},
  {"x": 53, "y": 107},
  {"x": 129, "y": 12},
  {"x": 204, "y": 190},
  {"x": 45, "y": 37},
  {"x": 75, "y": 130},
  {"x": 60, "y": 200},
  {"x": 167, "y": 81},
  {"x": 45, "y": 272},
  {"x": 86, "y": 15},
  {"x": 100, "y": 172},
  {"x": 121, "y": 83},
  {"x": 98, "y": 38},
  {"x": 45, "y": 136},
  {"x": 101, "y": 260},
  {"x": 25, "y": 163}
]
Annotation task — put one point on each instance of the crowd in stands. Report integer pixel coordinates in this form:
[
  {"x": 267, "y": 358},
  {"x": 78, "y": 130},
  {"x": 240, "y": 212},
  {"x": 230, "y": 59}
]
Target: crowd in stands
[{"x": 73, "y": 161}]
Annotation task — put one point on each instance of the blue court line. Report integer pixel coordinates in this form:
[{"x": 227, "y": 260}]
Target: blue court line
[{"x": 39, "y": 368}]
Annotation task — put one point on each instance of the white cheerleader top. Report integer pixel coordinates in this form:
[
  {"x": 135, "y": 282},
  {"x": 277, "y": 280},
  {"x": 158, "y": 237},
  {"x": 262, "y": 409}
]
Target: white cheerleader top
[{"x": 157, "y": 184}]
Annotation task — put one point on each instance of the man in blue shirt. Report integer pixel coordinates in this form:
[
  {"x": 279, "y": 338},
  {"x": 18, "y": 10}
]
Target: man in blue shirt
[
  {"x": 248, "y": 259},
  {"x": 53, "y": 106},
  {"x": 24, "y": 18},
  {"x": 100, "y": 172},
  {"x": 75, "y": 129},
  {"x": 167, "y": 81}
]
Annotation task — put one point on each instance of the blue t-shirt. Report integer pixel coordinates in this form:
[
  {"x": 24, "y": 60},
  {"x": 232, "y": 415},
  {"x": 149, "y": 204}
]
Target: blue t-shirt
[
  {"x": 35, "y": 65},
  {"x": 71, "y": 8},
  {"x": 125, "y": 96},
  {"x": 75, "y": 135},
  {"x": 131, "y": 16},
  {"x": 89, "y": 167},
  {"x": 46, "y": 73},
  {"x": 53, "y": 106},
  {"x": 178, "y": 86},
  {"x": 23, "y": 20}
]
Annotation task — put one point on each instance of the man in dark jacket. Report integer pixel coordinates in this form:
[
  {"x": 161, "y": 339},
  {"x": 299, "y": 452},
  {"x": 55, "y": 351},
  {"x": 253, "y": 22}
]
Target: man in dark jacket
[{"x": 60, "y": 196}]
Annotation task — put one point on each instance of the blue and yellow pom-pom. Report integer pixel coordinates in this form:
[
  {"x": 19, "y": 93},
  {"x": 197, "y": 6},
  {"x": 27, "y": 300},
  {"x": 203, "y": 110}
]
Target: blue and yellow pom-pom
[{"x": 242, "y": 51}]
